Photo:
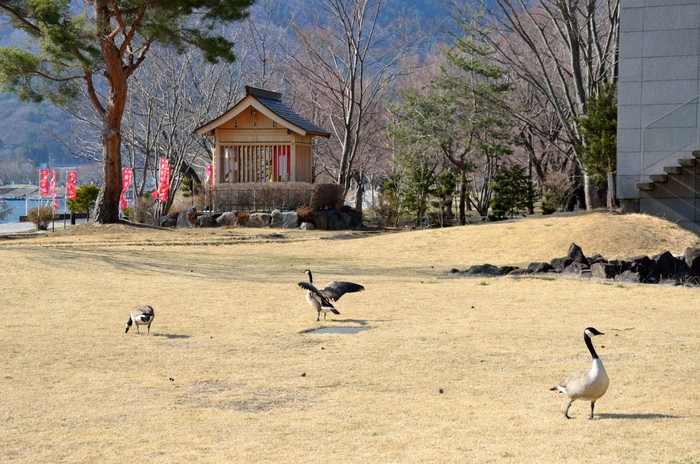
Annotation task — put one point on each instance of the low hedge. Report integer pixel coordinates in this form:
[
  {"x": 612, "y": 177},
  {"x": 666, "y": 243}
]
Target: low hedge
[{"x": 250, "y": 196}]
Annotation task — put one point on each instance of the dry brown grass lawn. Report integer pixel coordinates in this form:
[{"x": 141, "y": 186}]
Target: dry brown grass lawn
[{"x": 220, "y": 377}]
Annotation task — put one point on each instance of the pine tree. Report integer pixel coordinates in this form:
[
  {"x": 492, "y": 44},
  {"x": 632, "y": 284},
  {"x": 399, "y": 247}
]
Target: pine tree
[
  {"x": 461, "y": 116},
  {"x": 511, "y": 192},
  {"x": 95, "y": 49},
  {"x": 599, "y": 128}
]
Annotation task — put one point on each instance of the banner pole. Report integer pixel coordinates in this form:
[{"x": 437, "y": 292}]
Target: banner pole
[
  {"x": 53, "y": 203},
  {"x": 65, "y": 200}
]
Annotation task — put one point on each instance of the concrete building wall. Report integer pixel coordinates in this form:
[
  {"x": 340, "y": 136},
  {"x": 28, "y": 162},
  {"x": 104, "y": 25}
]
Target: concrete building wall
[
  {"x": 657, "y": 104},
  {"x": 659, "y": 69}
]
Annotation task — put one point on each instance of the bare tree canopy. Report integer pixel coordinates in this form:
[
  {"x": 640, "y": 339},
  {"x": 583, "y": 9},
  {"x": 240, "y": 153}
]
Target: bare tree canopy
[
  {"x": 350, "y": 60},
  {"x": 562, "y": 51}
]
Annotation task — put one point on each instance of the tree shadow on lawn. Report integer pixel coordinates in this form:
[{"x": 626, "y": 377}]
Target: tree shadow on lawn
[
  {"x": 638, "y": 416},
  {"x": 171, "y": 336}
]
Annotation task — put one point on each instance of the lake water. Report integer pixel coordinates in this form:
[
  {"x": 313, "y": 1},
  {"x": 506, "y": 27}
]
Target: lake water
[{"x": 19, "y": 208}]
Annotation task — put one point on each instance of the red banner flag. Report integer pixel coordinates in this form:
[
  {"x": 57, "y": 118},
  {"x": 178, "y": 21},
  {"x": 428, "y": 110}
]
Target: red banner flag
[
  {"x": 52, "y": 189},
  {"x": 163, "y": 180},
  {"x": 44, "y": 182},
  {"x": 70, "y": 185},
  {"x": 209, "y": 170},
  {"x": 127, "y": 174}
]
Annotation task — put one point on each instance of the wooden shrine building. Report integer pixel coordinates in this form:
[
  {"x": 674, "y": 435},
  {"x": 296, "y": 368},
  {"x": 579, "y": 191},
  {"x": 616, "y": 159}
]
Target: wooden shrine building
[{"x": 260, "y": 139}]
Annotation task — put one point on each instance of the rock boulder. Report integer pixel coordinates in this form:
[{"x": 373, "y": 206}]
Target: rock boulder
[
  {"x": 577, "y": 269},
  {"x": 629, "y": 277},
  {"x": 321, "y": 221},
  {"x": 284, "y": 220},
  {"x": 692, "y": 259},
  {"x": 484, "y": 269},
  {"x": 537, "y": 268},
  {"x": 560, "y": 263},
  {"x": 603, "y": 271},
  {"x": 167, "y": 221},
  {"x": 576, "y": 254},
  {"x": 187, "y": 217},
  {"x": 207, "y": 221},
  {"x": 227, "y": 219},
  {"x": 668, "y": 266},
  {"x": 259, "y": 220}
]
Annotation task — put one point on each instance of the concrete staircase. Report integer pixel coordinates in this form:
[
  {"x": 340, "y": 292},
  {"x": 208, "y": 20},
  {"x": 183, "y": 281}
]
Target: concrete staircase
[{"x": 670, "y": 171}]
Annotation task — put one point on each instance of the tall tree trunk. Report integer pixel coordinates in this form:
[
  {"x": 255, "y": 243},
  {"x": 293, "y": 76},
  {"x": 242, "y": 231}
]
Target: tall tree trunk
[
  {"x": 107, "y": 205},
  {"x": 590, "y": 193},
  {"x": 358, "y": 194},
  {"x": 462, "y": 197}
]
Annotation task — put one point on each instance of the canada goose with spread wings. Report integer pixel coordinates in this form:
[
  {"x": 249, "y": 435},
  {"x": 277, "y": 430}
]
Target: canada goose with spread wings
[{"x": 322, "y": 300}]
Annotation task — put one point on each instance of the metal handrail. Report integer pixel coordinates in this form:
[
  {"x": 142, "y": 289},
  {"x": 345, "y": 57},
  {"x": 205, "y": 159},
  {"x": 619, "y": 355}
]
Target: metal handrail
[{"x": 669, "y": 137}]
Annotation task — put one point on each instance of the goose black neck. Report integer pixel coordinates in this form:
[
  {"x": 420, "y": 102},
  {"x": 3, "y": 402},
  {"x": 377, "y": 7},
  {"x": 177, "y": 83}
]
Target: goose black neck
[
  {"x": 311, "y": 279},
  {"x": 589, "y": 344}
]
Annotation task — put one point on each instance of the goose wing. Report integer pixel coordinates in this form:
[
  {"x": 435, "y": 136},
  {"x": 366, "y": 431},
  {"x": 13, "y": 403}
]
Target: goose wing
[
  {"x": 573, "y": 384},
  {"x": 309, "y": 286},
  {"x": 323, "y": 299},
  {"x": 142, "y": 310},
  {"x": 334, "y": 290}
]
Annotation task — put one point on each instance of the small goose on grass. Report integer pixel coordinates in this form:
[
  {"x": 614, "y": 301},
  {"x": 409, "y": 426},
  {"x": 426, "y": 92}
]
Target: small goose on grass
[
  {"x": 140, "y": 315},
  {"x": 321, "y": 300},
  {"x": 587, "y": 385}
]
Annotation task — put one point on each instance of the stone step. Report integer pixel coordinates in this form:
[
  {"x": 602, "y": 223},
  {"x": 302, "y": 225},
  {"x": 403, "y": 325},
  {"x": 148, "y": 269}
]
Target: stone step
[
  {"x": 659, "y": 178},
  {"x": 645, "y": 186},
  {"x": 687, "y": 162},
  {"x": 696, "y": 153},
  {"x": 674, "y": 170}
]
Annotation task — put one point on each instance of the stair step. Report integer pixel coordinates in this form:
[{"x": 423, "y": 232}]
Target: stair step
[
  {"x": 659, "y": 178},
  {"x": 696, "y": 153},
  {"x": 687, "y": 162},
  {"x": 645, "y": 186},
  {"x": 674, "y": 170}
]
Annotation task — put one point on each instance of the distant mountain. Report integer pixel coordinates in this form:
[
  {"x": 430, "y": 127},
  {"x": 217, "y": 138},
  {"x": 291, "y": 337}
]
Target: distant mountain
[
  {"x": 429, "y": 10},
  {"x": 25, "y": 127},
  {"x": 25, "y": 131}
]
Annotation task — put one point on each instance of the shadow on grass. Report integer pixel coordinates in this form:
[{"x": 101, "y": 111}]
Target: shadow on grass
[
  {"x": 362, "y": 322},
  {"x": 637, "y": 416},
  {"x": 171, "y": 336}
]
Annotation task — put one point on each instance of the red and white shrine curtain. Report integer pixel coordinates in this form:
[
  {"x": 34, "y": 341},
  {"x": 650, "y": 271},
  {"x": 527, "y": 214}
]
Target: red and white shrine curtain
[{"x": 254, "y": 163}]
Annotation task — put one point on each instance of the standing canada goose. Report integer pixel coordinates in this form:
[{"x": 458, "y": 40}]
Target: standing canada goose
[
  {"x": 140, "y": 315},
  {"x": 321, "y": 300},
  {"x": 586, "y": 385}
]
